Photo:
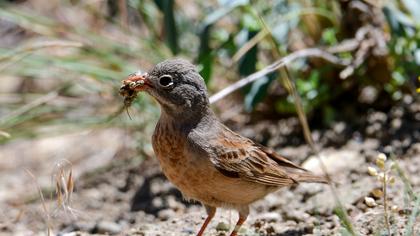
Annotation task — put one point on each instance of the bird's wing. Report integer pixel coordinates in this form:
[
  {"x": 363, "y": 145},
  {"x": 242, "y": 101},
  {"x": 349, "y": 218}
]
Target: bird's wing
[{"x": 236, "y": 156}]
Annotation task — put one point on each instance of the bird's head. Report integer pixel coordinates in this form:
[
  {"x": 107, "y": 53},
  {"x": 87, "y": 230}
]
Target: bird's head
[{"x": 176, "y": 85}]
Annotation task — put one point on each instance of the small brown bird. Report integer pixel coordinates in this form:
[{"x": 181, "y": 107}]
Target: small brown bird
[{"x": 205, "y": 160}]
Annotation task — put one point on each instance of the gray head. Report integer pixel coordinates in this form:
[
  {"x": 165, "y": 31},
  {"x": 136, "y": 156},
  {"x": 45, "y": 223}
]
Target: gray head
[{"x": 178, "y": 88}]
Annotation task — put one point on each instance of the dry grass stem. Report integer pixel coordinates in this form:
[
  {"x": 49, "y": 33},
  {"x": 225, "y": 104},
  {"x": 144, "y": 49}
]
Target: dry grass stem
[
  {"x": 47, "y": 217},
  {"x": 29, "y": 106},
  {"x": 19, "y": 54},
  {"x": 64, "y": 186}
]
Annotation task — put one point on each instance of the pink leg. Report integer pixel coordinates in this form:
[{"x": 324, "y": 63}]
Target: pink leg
[
  {"x": 243, "y": 214},
  {"x": 211, "y": 211}
]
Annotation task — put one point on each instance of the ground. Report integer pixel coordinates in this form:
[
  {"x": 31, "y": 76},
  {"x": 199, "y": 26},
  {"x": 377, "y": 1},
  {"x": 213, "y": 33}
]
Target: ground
[{"x": 120, "y": 190}]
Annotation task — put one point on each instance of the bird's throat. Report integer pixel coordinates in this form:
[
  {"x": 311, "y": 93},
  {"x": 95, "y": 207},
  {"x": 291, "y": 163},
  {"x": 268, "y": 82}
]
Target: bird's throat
[{"x": 186, "y": 120}]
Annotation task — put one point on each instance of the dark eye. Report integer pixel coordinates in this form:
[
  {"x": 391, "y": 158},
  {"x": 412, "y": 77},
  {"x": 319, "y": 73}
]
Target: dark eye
[{"x": 166, "y": 81}]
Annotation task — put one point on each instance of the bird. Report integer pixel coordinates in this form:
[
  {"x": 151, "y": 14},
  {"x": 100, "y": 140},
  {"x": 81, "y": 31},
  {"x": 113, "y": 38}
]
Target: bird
[{"x": 203, "y": 158}]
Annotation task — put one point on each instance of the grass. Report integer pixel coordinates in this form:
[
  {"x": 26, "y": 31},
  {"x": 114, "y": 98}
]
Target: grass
[
  {"x": 59, "y": 197},
  {"x": 71, "y": 57},
  {"x": 47, "y": 216}
]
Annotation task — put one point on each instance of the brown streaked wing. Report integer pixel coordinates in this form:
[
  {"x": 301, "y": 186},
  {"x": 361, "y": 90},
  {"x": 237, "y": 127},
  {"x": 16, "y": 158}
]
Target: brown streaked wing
[
  {"x": 236, "y": 156},
  {"x": 278, "y": 158}
]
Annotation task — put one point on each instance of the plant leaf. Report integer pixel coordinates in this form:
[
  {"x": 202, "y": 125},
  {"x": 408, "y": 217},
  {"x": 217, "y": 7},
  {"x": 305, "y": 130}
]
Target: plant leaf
[
  {"x": 205, "y": 54},
  {"x": 171, "y": 36}
]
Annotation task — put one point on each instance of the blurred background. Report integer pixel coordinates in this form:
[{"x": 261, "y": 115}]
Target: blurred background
[{"x": 71, "y": 159}]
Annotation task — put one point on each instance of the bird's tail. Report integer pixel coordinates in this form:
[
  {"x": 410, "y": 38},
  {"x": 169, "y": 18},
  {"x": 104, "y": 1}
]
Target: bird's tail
[{"x": 311, "y": 178}]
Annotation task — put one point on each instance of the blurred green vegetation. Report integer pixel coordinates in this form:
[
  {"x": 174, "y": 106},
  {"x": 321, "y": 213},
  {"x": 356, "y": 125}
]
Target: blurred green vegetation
[{"x": 69, "y": 56}]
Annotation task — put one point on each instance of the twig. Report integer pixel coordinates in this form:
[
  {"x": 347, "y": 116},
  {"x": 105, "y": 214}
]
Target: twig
[
  {"x": 345, "y": 46},
  {"x": 44, "y": 206},
  {"x": 308, "y": 52},
  {"x": 250, "y": 44},
  {"x": 360, "y": 57},
  {"x": 368, "y": 40},
  {"x": 386, "y": 218},
  {"x": 4, "y": 134}
]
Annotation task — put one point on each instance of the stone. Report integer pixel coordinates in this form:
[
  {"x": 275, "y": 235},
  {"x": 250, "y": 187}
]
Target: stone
[
  {"x": 270, "y": 217},
  {"x": 336, "y": 161},
  {"x": 109, "y": 227},
  {"x": 166, "y": 214},
  {"x": 222, "y": 226}
]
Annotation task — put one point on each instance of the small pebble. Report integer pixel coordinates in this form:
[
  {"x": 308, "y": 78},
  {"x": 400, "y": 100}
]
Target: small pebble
[
  {"x": 222, "y": 226},
  {"x": 110, "y": 227},
  {"x": 85, "y": 226},
  {"x": 396, "y": 123},
  {"x": 270, "y": 216},
  {"x": 370, "y": 202},
  {"x": 166, "y": 214}
]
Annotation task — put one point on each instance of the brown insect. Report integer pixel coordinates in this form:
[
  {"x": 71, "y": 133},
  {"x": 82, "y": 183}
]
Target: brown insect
[{"x": 129, "y": 89}]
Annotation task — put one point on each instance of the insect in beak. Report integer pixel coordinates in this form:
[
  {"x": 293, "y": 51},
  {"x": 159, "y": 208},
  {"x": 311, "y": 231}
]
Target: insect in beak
[{"x": 131, "y": 86}]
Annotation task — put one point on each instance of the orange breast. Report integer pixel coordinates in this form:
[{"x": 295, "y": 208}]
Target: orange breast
[{"x": 176, "y": 166}]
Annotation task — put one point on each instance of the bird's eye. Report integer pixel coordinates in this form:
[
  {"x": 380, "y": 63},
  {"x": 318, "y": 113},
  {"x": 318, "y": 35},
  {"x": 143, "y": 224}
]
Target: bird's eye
[{"x": 166, "y": 81}]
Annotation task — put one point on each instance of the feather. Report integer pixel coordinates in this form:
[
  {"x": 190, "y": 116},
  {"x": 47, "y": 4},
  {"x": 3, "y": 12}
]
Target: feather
[{"x": 239, "y": 157}]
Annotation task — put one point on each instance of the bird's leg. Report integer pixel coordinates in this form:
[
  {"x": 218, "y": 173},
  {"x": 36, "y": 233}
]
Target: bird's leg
[
  {"x": 211, "y": 211},
  {"x": 243, "y": 214}
]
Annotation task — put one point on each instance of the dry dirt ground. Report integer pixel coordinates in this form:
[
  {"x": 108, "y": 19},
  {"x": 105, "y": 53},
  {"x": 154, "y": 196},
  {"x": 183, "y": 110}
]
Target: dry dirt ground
[{"x": 116, "y": 192}]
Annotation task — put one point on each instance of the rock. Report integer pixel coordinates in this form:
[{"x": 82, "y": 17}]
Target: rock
[
  {"x": 396, "y": 123},
  {"x": 367, "y": 145},
  {"x": 157, "y": 202},
  {"x": 222, "y": 226},
  {"x": 408, "y": 99},
  {"x": 77, "y": 233},
  {"x": 109, "y": 227},
  {"x": 296, "y": 215},
  {"x": 414, "y": 149},
  {"x": 374, "y": 128},
  {"x": 85, "y": 226},
  {"x": 368, "y": 95},
  {"x": 336, "y": 161},
  {"x": 339, "y": 127},
  {"x": 270, "y": 217},
  {"x": 166, "y": 214},
  {"x": 174, "y": 204},
  {"x": 377, "y": 116},
  {"x": 397, "y": 112}
]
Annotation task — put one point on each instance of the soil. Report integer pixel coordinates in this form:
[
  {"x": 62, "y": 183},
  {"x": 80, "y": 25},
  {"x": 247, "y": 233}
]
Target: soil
[{"x": 121, "y": 192}]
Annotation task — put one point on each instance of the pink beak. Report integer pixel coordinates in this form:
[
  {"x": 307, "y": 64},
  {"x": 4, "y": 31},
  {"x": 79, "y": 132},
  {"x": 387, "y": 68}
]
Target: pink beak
[{"x": 137, "y": 82}]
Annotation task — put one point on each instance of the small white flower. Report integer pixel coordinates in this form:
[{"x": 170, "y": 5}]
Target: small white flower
[
  {"x": 380, "y": 163},
  {"x": 370, "y": 202},
  {"x": 381, "y": 156},
  {"x": 372, "y": 171}
]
